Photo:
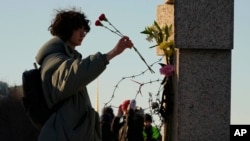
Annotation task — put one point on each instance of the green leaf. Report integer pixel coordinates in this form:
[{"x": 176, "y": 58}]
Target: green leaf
[
  {"x": 157, "y": 26},
  {"x": 144, "y": 32}
]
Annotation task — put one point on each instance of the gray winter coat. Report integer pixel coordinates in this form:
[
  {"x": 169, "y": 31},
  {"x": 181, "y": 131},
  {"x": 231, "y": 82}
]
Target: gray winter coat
[{"x": 65, "y": 75}]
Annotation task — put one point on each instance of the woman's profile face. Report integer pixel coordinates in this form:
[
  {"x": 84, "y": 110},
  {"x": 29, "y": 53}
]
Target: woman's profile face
[{"x": 77, "y": 37}]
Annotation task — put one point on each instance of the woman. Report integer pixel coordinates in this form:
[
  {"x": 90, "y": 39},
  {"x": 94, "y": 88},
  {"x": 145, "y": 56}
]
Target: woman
[{"x": 66, "y": 74}]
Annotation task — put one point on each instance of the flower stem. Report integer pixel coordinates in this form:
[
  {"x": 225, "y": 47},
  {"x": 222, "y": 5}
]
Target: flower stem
[
  {"x": 112, "y": 31},
  {"x": 143, "y": 59},
  {"x": 115, "y": 28},
  {"x": 117, "y": 32}
]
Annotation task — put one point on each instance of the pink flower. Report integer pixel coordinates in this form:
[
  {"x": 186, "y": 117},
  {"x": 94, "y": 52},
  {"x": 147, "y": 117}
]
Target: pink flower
[
  {"x": 102, "y": 17},
  {"x": 167, "y": 70},
  {"x": 98, "y": 23}
]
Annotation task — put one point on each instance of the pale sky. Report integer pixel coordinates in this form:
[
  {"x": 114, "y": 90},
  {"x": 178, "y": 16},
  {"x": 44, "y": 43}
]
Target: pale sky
[{"x": 23, "y": 29}]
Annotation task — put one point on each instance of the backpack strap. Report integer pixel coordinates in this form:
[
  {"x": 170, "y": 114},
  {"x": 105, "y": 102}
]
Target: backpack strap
[{"x": 35, "y": 65}]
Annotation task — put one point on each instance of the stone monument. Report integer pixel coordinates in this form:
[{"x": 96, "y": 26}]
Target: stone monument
[{"x": 204, "y": 38}]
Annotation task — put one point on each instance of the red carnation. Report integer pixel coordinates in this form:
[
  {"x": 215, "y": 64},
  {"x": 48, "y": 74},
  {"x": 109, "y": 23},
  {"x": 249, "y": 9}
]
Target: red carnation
[
  {"x": 102, "y": 17},
  {"x": 98, "y": 23}
]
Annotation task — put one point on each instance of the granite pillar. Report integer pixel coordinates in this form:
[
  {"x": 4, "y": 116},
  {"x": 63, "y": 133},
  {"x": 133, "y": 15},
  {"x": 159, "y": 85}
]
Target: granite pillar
[{"x": 204, "y": 38}]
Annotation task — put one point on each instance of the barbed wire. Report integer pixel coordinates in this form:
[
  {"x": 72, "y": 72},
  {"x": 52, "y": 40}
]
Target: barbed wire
[
  {"x": 154, "y": 109},
  {"x": 133, "y": 76},
  {"x": 154, "y": 105}
]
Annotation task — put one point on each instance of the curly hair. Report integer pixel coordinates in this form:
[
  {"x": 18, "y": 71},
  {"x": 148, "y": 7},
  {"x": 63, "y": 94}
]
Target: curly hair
[{"x": 66, "y": 21}]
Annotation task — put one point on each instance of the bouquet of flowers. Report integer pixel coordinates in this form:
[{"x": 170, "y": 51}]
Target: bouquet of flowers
[{"x": 161, "y": 36}]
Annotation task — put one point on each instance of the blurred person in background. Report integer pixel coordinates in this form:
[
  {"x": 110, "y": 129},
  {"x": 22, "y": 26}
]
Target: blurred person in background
[
  {"x": 128, "y": 123},
  {"x": 106, "y": 119},
  {"x": 150, "y": 133}
]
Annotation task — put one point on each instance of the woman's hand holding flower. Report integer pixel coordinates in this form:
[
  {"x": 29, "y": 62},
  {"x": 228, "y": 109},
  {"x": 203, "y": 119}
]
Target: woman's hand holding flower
[{"x": 122, "y": 44}]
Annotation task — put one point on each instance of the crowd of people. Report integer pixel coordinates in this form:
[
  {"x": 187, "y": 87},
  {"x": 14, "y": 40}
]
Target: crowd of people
[{"x": 129, "y": 124}]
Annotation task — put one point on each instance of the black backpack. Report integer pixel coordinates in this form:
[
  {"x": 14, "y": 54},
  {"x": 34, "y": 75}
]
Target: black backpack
[{"x": 33, "y": 99}]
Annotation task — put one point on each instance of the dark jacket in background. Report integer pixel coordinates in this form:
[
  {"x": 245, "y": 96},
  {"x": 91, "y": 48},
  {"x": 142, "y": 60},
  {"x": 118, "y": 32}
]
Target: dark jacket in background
[
  {"x": 107, "y": 134},
  {"x": 130, "y": 129}
]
